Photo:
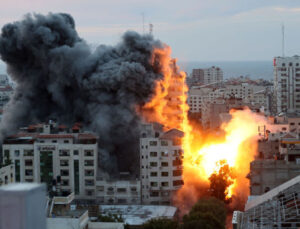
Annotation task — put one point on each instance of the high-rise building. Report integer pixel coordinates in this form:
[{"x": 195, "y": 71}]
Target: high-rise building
[
  {"x": 287, "y": 83},
  {"x": 206, "y": 76},
  {"x": 160, "y": 164}
]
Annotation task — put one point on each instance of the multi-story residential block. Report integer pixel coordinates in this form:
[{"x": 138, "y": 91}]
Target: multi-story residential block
[
  {"x": 160, "y": 164},
  {"x": 255, "y": 95},
  {"x": 65, "y": 161},
  {"x": 205, "y": 76},
  {"x": 7, "y": 174},
  {"x": 118, "y": 191},
  {"x": 287, "y": 83},
  {"x": 278, "y": 161}
]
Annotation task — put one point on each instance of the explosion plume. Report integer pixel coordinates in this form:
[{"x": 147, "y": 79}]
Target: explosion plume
[
  {"x": 110, "y": 90},
  {"x": 59, "y": 77}
]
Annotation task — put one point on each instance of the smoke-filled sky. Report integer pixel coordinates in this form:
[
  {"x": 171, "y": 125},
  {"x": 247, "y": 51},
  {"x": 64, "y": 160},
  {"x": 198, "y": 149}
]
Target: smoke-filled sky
[{"x": 197, "y": 30}]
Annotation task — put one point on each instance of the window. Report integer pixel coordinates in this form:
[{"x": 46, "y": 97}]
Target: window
[
  {"x": 153, "y": 164},
  {"x": 28, "y": 162},
  {"x": 121, "y": 190},
  {"x": 153, "y": 143},
  {"x": 164, "y": 174},
  {"x": 153, "y": 184},
  {"x": 164, "y": 143},
  {"x": 177, "y": 162},
  {"x": 89, "y": 182},
  {"x": 89, "y": 173},
  {"x": 153, "y": 174},
  {"x": 177, "y": 173},
  {"x": 64, "y": 163},
  {"x": 75, "y": 152},
  {"x": 89, "y": 163},
  {"x": 54, "y": 141},
  {"x": 153, "y": 154},
  {"x": 64, "y": 152},
  {"x": 28, "y": 172},
  {"x": 133, "y": 189},
  {"x": 165, "y": 184},
  {"x": 28, "y": 152},
  {"x": 66, "y": 141},
  {"x": 64, "y": 172},
  {"x": 177, "y": 182},
  {"x": 88, "y": 153},
  {"x": 164, "y": 154},
  {"x": 64, "y": 182},
  {"x": 164, "y": 164},
  {"x": 154, "y": 194},
  {"x": 17, "y": 153}
]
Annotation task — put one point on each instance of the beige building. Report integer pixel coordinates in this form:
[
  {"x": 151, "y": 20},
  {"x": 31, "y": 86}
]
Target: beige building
[{"x": 160, "y": 164}]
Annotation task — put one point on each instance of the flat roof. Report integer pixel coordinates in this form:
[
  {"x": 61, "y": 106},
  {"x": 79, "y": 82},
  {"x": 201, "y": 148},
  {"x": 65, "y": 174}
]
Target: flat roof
[{"x": 139, "y": 214}]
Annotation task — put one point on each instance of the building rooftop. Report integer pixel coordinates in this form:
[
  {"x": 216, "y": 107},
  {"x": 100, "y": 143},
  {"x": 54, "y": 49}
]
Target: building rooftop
[{"x": 139, "y": 214}]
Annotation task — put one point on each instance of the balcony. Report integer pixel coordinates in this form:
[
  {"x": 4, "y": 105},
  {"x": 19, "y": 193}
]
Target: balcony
[{"x": 64, "y": 199}]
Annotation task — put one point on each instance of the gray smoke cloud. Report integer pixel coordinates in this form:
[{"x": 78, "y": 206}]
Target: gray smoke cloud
[{"x": 59, "y": 77}]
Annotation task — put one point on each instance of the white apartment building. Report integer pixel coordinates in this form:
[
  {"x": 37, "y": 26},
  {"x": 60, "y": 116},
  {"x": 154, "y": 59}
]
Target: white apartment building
[
  {"x": 200, "y": 97},
  {"x": 7, "y": 174},
  {"x": 118, "y": 191},
  {"x": 160, "y": 164},
  {"x": 212, "y": 75},
  {"x": 287, "y": 83},
  {"x": 66, "y": 162}
]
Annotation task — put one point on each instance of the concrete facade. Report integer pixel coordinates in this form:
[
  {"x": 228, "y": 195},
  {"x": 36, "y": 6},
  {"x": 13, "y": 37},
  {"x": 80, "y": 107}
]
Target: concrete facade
[
  {"x": 23, "y": 206},
  {"x": 160, "y": 165},
  {"x": 66, "y": 162},
  {"x": 118, "y": 192},
  {"x": 287, "y": 83}
]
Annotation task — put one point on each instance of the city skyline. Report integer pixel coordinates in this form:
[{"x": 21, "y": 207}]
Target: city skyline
[{"x": 196, "y": 31}]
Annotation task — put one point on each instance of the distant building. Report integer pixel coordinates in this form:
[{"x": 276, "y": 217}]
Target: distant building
[
  {"x": 251, "y": 94},
  {"x": 160, "y": 164},
  {"x": 287, "y": 83},
  {"x": 65, "y": 161},
  {"x": 205, "y": 76}
]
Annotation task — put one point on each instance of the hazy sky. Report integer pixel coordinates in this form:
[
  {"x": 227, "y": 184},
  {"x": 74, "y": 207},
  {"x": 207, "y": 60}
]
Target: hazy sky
[{"x": 199, "y": 30}]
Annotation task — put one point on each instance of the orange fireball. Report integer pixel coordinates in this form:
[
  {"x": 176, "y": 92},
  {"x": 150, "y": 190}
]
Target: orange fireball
[{"x": 202, "y": 154}]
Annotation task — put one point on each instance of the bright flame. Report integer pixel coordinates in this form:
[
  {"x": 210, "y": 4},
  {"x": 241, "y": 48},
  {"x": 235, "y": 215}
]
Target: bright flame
[{"x": 202, "y": 152}]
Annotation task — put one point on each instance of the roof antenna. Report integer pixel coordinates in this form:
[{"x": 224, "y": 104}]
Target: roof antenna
[
  {"x": 143, "y": 15},
  {"x": 151, "y": 29},
  {"x": 282, "y": 30}
]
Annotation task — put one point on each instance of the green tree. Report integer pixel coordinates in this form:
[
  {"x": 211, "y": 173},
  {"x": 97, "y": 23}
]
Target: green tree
[
  {"x": 208, "y": 213},
  {"x": 220, "y": 181},
  {"x": 161, "y": 224},
  {"x": 110, "y": 218}
]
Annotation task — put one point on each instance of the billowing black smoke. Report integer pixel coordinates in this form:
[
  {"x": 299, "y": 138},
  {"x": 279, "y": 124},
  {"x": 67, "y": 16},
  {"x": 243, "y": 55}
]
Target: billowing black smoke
[{"x": 59, "y": 77}]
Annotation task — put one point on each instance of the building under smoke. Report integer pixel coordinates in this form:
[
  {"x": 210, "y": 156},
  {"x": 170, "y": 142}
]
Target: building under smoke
[{"x": 59, "y": 77}]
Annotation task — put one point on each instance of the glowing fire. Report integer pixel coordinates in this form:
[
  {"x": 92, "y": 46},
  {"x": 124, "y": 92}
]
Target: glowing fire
[{"x": 202, "y": 152}]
